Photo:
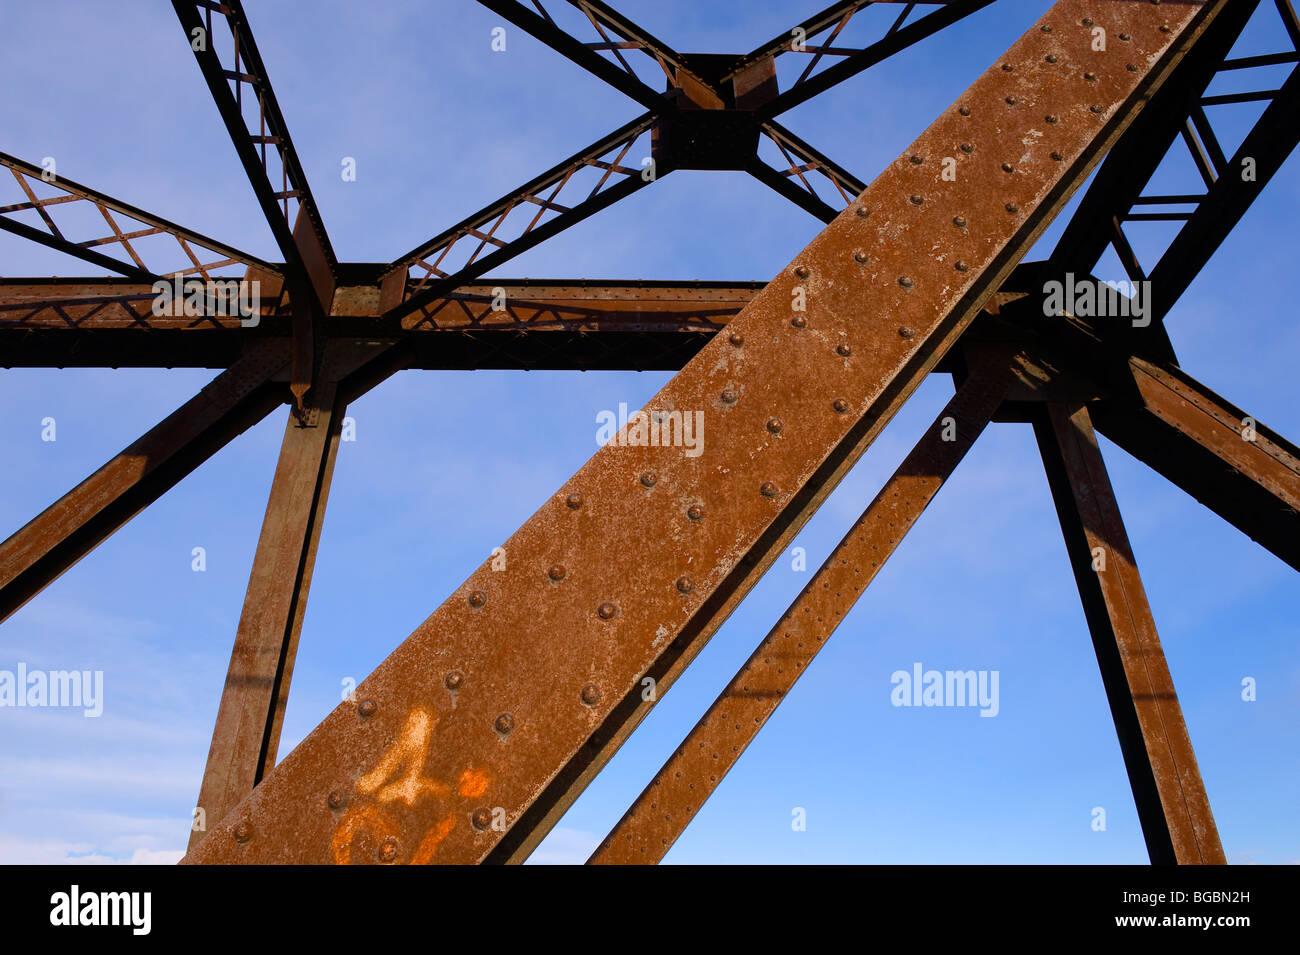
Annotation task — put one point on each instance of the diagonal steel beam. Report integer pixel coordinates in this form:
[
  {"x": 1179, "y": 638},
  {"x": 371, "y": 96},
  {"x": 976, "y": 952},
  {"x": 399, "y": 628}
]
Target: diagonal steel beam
[
  {"x": 78, "y": 522},
  {"x": 695, "y": 770},
  {"x": 251, "y": 714},
  {"x": 1167, "y": 787},
  {"x": 476, "y": 734}
]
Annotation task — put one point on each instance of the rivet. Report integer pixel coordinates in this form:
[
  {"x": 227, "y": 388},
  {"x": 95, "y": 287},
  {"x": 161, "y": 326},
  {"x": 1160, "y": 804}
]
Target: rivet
[
  {"x": 840, "y": 405},
  {"x": 1164, "y": 28},
  {"x": 556, "y": 571},
  {"x": 1087, "y": 21},
  {"x": 685, "y": 584},
  {"x": 607, "y": 610},
  {"x": 964, "y": 110},
  {"x": 455, "y": 678},
  {"x": 843, "y": 350},
  {"x": 1007, "y": 167},
  {"x": 1045, "y": 28},
  {"x": 768, "y": 489},
  {"x": 574, "y": 501},
  {"x": 1125, "y": 37},
  {"x": 243, "y": 832},
  {"x": 774, "y": 425},
  {"x": 916, "y": 200},
  {"x": 859, "y": 256},
  {"x": 504, "y": 723},
  {"x": 1051, "y": 58},
  {"x": 1007, "y": 67},
  {"x": 959, "y": 221},
  {"x": 862, "y": 212},
  {"x": 591, "y": 694},
  {"x": 967, "y": 148},
  {"x": 1090, "y": 77},
  {"x": 960, "y": 266},
  {"x": 916, "y": 160},
  {"x": 801, "y": 271},
  {"x": 1012, "y": 207},
  {"x": 905, "y": 332},
  {"x": 1095, "y": 109},
  {"x": 736, "y": 339},
  {"x": 904, "y": 281},
  {"x": 798, "y": 321},
  {"x": 1051, "y": 119},
  {"x": 388, "y": 850},
  {"x": 477, "y": 599},
  {"x": 1057, "y": 156},
  {"x": 695, "y": 512},
  {"x": 481, "y": 818},
  {"x": 368, "y": 708},
  {"x": 728, "y": 397},
  {"x": 336, "y": 799},
  {"x": 1131, "y": 68},
  {"x": 1012, "y": 101},
  {"x": 648, "y": 479}
]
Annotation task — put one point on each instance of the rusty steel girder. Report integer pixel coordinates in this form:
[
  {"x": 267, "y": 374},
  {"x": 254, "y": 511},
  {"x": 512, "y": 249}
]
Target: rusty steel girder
[{"x": 471, "y": 739}]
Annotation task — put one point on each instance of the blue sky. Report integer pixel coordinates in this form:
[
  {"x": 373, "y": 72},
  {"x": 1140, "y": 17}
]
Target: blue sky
[{"x": 447, "y": 465}]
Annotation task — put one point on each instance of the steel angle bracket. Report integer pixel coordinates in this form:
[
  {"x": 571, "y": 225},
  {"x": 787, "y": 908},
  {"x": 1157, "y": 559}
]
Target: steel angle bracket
[{"x": 471, "y": 739}]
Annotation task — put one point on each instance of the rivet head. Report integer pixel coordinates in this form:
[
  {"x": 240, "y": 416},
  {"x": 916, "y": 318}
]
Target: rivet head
[
  {"x": 768, "y": 489},
  {"x": 916, "y": 200},
  {"x": 336, "y": 799},
  {"x": 915, "y": 159},
  {"x": 960, "y": 266},
  {"x": 774, "y": 425},
  {"x": 453, "y": 680},
  {"x": 591, "y": 694},
  {"x": 1087, "y": 21},
  {"x": 504, "y": 723},
  {"x": 1125, "y": 37},
  {"x": 1012, "y": 101},
  {"x": 477, "y": 599},
  {"x": 1090, "y": 77},
  {"x": 1094, "y": 108},
  {"x": 799, "y": 321},
  {"x": 862, "y": 212},
  {"x": 368, "y": 708},
  {"x": 736, "y": 339},
  {"x": 1046, "y": 28},
  {"x": 840, "y": 405},
  {"x": 243, "y": 832},
  {"x": 685, "y": 584},
  {"x": 1164, "y": 28},
  {"x": 1007, "y": 67},
  {"x": 728, "y": 397},
  {"x": 1057, "y": 156},
  {"x": 967, "y": 148},
  {"x": 648, "y": 479},
  {"x": 964, "y": 110},
  {"x": 574, "y": 501},
  {"x": 388, "y": 850},
  {"x": 556, "y": 571},
  {"x": 1052, "y": 119},
  {"x": 607, "y": 610},
  {"x": 1007, "y": 167},
  {"x": 1012, "y": 208},
  {"x": 802, "y": 271},
  {"x": 843, "y": 350},
  {"x": 1131, "y": 68},
  {"x": 695, "y": 512},
  {"x": 1051, "y": 58},
  {"x": 859, "y": 256},
  {"x": 906, "y": 282},
  {"x": 959, "y": 221},
  {"x": 905, "y": 332},
  {"x": 481, "y": 818}
]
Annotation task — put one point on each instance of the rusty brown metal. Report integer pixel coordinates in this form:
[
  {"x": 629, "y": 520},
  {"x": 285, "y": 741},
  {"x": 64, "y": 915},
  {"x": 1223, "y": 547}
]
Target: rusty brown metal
[
  {"x": 1171, "y": 801},
  {"x": 251, "y": 714},
  {"x": 482, "y": 720},
  {"x": 78, "y": 522},
  {"x": 667, "y": 805}
]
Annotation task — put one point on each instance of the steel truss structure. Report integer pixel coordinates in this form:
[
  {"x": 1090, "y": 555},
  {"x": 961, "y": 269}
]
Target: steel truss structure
[{"x": 452, "y": 750}]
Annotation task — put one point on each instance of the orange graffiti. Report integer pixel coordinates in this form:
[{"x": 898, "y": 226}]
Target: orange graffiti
[
  {"x": 473, "y": 782},
  {"x": 429, "y": 844}
]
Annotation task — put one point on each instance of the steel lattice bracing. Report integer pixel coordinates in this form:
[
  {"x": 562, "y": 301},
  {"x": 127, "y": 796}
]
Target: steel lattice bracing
[{"x": 452, "y": 751}]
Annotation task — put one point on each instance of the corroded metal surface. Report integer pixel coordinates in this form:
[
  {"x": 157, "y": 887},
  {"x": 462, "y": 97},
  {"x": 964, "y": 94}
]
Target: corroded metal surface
[
  {"x": 468, "y": 724},
  {"x": 671, "y": 800},
  {"x": 1167, "y": 787}
]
